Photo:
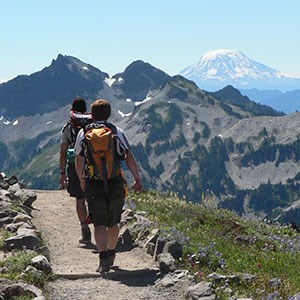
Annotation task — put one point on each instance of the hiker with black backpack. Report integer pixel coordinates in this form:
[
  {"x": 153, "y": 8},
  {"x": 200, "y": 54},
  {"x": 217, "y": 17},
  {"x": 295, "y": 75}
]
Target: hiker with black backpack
[
  {"x": 68, "y": 176},
  {"x": 99, "y": 149}
]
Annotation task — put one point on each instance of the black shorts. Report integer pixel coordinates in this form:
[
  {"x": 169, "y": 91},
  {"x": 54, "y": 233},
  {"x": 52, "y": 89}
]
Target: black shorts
[
  {"x": 74, "y": 188},
  {"x": 105, "y": 208}
]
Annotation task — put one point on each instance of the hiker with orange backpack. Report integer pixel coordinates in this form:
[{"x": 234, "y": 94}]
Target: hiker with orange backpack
[
  {"x": 68, "y": 175},
  {"x": 99, "y": 149}
]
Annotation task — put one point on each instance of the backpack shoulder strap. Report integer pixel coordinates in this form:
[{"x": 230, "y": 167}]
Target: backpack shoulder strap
[{"x": 73, "y": 134}]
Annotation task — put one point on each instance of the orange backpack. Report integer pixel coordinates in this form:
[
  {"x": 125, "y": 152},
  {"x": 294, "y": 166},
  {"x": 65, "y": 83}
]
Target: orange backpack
[{"x": 105, "y": 151}]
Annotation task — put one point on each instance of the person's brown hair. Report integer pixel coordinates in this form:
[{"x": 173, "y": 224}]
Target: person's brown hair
[{"x": 101, "y": 110}]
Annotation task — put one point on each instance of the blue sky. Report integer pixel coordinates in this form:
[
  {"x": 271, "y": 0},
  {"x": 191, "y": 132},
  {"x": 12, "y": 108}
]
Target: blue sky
[{"x": 169, "y": 34}]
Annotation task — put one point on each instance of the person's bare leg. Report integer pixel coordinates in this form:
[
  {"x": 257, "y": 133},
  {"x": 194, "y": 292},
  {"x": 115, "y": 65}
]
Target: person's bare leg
[
  {"x": 81, "y": 210},
  {"x": 82, "y": 216},
  {"x": 113, "y": 235},
  {"x": 101, "y": 237}
]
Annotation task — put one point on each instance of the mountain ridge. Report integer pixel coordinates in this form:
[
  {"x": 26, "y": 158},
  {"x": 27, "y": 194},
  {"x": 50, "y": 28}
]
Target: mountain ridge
[
  {"x": 65, "y": 71},
  {"x": 185, "y": 139}
]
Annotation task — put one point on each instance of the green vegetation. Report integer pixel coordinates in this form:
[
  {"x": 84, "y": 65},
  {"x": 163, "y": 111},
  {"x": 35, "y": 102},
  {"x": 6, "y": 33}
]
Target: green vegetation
[
  {"x": 209, "y": 172},
  {"x": 16, "y": 265},
  {"x": 42, "y": 171},
  {"x": 270, "y": 151},
  {"x": 163, "y": 118},
  {"x": 229, "y": 110},
  {"x": 205, "y": 130},
  {"x": 25, "y": 149},
  {"x": 220, "y": 241},
  {"x": 269, "y": 197},
  {"x": 3, "y": 236},
  {"x": 3, "y": 154}
]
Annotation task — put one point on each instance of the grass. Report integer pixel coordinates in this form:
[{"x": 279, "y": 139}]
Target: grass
[
  {"x": 266, "y": 251},
  {"x": 16, "y": 265}
]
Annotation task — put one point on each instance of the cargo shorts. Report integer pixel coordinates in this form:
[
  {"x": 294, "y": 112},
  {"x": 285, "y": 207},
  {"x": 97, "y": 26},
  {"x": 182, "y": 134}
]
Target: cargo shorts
[
  {"x": 74, "y": 188},
  {"x": 105, "y": 208}
]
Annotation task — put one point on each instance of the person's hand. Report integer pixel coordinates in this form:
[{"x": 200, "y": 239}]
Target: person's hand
[
  {"x": 138, "y": 186},
  {"x": 82, "y": 184},
  {"x": 63, "y": 181}
]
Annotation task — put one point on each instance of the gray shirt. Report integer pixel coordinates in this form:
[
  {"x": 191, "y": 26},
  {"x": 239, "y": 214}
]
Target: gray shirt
[{"x": 66, "y": 134}]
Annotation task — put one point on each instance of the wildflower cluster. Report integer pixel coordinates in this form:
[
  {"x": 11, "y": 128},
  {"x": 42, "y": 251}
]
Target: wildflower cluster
[
  {"x": 207, "y": 257},
  {"x": 172, "y": 234},
  {"x": 287, "y": 243}
]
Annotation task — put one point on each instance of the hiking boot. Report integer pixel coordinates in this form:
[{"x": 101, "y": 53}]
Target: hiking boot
[
  {"x": 111, "y": 259},
  {"x": 86, "y": 236},
  {"x": 103, "y": 265}
]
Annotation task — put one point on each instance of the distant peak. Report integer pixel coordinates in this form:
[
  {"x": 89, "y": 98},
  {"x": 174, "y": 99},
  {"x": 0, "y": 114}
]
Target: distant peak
[
  {"x": 66, "y": 58},
  {"x": 139, "y": 64},
  {"x": 213, "y": 54}
]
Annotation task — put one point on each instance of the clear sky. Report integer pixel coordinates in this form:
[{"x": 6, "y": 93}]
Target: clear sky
[{"x": 169, "y": 34}]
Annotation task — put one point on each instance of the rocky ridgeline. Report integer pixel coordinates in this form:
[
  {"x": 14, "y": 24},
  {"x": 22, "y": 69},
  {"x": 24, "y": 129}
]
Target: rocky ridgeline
[{"x": 22, "y": 237}]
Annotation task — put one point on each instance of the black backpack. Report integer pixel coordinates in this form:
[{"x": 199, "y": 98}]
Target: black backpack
[{"x": 77, "y": 121}]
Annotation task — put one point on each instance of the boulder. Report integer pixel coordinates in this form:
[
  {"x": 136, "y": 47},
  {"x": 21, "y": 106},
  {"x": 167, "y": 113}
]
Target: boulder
[
  {"x": 202, "y": 290},
  {"x": 166, "y": 263},
  {"x": 174, "y": 248},
  {"x": 41, "y": 263},
  {"x": 27, "y": 241}
]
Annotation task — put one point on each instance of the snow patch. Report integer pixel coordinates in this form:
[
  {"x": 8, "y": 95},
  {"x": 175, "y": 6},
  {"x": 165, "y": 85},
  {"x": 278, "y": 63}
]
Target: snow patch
[
  {"x": 6, "y": 122},
  {"x": 123, "y": 114},
  {"x": 49, "y": 122},
  {"x": 15, "y": 122},
  {"x": 85, "y": 68},
  {"x": 109, "y": 81},
  {"x": 143, "y": 101},
  {"x": 215, "y": 53},
  {"x": 120, "y": 79},
  {"x": 128, "y": 100},
  {"x": 1, "y": 118},
  {"x": 212, "y": 72}
]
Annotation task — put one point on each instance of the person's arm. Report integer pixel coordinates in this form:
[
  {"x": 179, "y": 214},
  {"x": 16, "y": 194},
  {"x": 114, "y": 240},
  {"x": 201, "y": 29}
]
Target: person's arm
[
  {"x": 63, "y": 163},
  {"x": 79, "y": 159},
  {"x": 133, "y": 168}
]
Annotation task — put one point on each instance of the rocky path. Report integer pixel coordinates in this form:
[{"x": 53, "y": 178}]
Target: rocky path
[{"x": 133, "y": 277}]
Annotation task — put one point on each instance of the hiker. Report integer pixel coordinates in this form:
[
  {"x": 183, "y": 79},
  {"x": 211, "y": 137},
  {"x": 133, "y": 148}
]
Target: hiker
[
  {"x": 68, "y": 175},
  {"x": 102, "y": 179}
]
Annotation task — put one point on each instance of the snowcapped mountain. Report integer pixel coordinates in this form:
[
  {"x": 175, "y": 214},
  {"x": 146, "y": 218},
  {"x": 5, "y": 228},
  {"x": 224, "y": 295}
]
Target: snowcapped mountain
[{"x": 222, "y": 67}]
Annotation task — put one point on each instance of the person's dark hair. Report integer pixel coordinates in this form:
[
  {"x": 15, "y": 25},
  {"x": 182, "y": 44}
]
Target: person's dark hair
[
  {"x": 79, "y": 105},
  {"x": 100, "y": 110}
]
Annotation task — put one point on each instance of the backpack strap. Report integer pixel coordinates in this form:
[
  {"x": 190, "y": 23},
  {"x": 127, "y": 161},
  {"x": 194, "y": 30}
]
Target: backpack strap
[
  {"x": 120, "y": 149},
  {"x": 105, "y": 180}
]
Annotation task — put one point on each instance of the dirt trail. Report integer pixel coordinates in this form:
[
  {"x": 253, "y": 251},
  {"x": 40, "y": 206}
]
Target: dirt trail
[{"x": 132, "y": 278}]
